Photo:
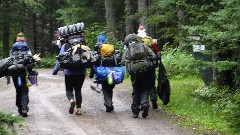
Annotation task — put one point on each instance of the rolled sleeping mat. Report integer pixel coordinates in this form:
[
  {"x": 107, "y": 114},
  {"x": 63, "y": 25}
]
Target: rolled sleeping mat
[
  {"x": 80, "y": 27},
  {"x": 61, "y": 32},
  {"x": 71, "y": 29},
  {"x": 4, "y": 64}
]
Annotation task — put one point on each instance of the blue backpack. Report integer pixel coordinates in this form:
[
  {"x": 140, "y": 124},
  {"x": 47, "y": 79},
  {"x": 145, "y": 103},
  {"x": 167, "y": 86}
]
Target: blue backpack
[
  {"x": 101, "y": 73},
  {"x": 101, "y": 39}
]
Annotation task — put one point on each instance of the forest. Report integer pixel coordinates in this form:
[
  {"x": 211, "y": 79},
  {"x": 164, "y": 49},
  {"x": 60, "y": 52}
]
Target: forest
[{"x": 178, "y": 25}]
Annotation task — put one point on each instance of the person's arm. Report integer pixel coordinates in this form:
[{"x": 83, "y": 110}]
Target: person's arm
[
  {"x": 57, "y": 66},
  {"x": 123, "y": 60}
]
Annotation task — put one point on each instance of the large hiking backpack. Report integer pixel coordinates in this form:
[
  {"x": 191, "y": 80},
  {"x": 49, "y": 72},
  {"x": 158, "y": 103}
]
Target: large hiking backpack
[
  {"x": 20, "y": 54},
  {"x": 20, "y": 59},
  {"x": 107, "y": 50},
  {"x": 76, "y": 39},
  {"x": 81, "y": 57},
  {"x": 110, "y": 61},
  {"x": 137, "y": 56}
]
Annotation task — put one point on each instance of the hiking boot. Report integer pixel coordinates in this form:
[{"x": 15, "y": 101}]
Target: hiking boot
[
  {"x": 24, "y": 113},
  {"x": 71, "y": 109},
  {"x": 20, "y": 111},
  {"x": 78, "y": 112},
  {"x": 145, "y": 113},
  {"x": 96, "y": 88},
  {"x": 135, "y": 115},
  {"x": 109, "y": 109},
  {"x": 154, "y": 105}
]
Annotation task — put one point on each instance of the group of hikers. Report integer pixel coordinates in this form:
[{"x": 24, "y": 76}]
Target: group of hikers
[{"x": 141, "y": 56}]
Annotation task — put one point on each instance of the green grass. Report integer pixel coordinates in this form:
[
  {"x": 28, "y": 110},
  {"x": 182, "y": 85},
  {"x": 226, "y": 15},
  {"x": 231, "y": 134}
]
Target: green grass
[
  {"x": 47, "y": 62},
  {"x": 196, "y": 114}
]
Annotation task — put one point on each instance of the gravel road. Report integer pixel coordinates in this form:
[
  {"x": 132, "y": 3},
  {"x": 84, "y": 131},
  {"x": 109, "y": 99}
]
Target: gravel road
[{"x": 48, "y": 114}]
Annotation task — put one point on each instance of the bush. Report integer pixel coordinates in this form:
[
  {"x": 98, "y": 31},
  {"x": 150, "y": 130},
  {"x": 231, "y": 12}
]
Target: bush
[
  {"x": 7, "y": 122},
  {"x": 47, "y": 61},
  {"x": 233, "y": 112},
  {"x": 178, "y": 64},
  {"x": 224, "y": 101},
  {"x": 97, "y": 29}
]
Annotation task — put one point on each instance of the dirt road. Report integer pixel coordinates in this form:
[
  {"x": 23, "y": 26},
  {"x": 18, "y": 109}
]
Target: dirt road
[{"x": 49, "y": 115}]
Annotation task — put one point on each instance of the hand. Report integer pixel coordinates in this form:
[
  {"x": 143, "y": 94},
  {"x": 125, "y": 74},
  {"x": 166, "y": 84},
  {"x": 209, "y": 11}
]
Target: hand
[
  {"x": 54, "y": 72},
  {"x": 91, "y": 76},
  {"x": 36, "y": 57}
]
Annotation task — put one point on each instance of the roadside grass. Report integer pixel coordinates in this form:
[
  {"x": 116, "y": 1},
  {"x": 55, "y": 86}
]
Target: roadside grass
[
  {"x": 47, "y": 62},
  {"x": 198, "y": 115}
]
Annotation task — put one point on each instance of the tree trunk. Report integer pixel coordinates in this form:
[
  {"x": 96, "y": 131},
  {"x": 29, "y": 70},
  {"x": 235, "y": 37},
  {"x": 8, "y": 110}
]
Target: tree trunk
[
  {"x": 51, "y": 36},
  {"x": 225, "y": 77},
  {"x": 110, "y": 19},
  {"x": 31, "y": 30},
  {"x": 6, "y": 34},
  {"x": 129, "y": 9},
  {"x": 180, "y": 16},
  {"x": 142, "y": 6}
]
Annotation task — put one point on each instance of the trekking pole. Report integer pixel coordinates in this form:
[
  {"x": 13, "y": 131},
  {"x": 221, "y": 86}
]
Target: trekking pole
[
  {"x": 36, "y": 80},
  {"x": 8, "y": 80}
]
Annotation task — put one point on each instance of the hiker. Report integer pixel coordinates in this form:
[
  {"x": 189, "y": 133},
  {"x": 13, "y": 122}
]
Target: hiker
[
  {"x": 21, "y": 74},
  {"x": 147, "y": 40},
  {"x": 74, "y": 78},
  {"x": 107, "y": 60},
  {"x": 21, "y": 38},
  {"x": 138, "y": 59}
]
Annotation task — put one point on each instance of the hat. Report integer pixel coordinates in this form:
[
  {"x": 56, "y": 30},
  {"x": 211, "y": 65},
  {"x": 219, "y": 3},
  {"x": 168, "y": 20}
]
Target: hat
[
  {"x": 142, "y": 32},
  {"x": 20, "y": 34}
]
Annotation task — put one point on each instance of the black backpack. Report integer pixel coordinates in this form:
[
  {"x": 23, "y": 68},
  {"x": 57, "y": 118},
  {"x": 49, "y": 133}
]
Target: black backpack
[
  {"x": 80, "y": 59},
  {"x": 20, "y": 54}
]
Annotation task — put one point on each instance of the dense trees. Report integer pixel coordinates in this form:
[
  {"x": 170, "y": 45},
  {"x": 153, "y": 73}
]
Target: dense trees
[{"x": 215, "y": 22}]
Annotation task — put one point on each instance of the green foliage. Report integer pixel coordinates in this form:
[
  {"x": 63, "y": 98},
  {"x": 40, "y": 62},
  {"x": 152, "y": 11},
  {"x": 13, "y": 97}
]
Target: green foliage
[
  {"x": 47, "y": 61},
  {"x": 7, "y": 122},
  {"x": 97, "y": 29},
  {"x": 233, "y": 112},
  {"x": 87, "y": 11},
  {"x": 179, "y": 64},
  {"x": 92, "y": 32},
  {"x": 201, "y": 116},
  {"x": 223, "y": 101}
]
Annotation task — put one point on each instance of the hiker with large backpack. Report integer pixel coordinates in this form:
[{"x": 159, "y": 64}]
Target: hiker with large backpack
[
  {"x": 74, "y": 44},
  {"x": 163, "y": 86},
  {"x": 138, "y": 59},
  {"x": 19, "y": 65},
  {"x": 107, "y": 70},
  {"x": 147, "y": 40}
]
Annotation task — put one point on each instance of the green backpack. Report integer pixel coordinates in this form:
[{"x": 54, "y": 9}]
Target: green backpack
[{"x": 137, "y": 56}]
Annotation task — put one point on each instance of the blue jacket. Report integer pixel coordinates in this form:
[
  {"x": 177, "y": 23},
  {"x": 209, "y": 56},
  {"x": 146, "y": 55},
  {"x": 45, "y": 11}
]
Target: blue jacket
[{"x": 79, "y": 71}]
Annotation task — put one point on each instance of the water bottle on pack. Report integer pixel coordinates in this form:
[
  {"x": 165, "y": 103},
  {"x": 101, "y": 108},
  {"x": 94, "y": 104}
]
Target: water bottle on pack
[
  {"x": 114, "y": 76},
  {"x": 19, "y": 81},
  {"x": 110, "y": 79}
]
